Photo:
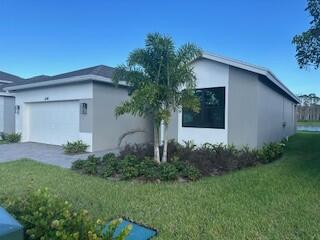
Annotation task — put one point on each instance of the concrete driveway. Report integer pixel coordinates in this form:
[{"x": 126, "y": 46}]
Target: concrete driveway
[{"x": 44, "y": 153}]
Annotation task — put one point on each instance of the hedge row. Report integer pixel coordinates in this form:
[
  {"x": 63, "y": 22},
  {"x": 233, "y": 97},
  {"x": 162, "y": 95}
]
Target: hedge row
[{"x": 186, "y": 161}]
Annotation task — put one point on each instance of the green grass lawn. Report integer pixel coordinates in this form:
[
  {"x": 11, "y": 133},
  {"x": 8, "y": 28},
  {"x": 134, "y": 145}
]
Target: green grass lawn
[
  {"x": 308, "y": 123},
  {"x": 275, "y": 201}
]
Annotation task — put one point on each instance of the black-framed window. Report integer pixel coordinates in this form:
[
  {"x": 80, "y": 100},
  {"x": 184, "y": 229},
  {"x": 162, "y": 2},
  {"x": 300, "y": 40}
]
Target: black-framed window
[{"x": 212, "y": 110}]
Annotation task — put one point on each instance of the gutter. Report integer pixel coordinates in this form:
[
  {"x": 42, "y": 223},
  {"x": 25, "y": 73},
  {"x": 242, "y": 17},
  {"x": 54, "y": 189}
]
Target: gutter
[
  {"x": 5, "y": 81},
  {"x": 6, "y": 94}
]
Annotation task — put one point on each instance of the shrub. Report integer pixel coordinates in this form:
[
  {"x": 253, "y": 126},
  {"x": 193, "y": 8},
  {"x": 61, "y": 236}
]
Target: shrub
[
  {"x": 78, "y": 164},
  {"x": 146, "y": 150},
  {"x": 247, "y": 157},
  {"x": 180, "y": 165},
  {"x": 110, "y": 231},
  {"x": 187, "y": 161},
  {"x": 190, "y": 145},
  {"x": 191, "y": 173},
  {"x": 222, "y": 157},
  {"x": 149, "y": 169},
  {"x": 2, "y": 136},
  {"x": 110, "y": 165},
  {"x": 90, "y": 166},
  {"x": 11, "y": 137},
  {"x": 46, "y": 216},
  {"x": 75, "y": 147},
  {"x": 139, "y": 150},
  {"x": 129, "y": 167},
  {"x": 271, "y": 152},
  {"x": 215, "y": 159},
  {"x": 168, "y": 172}
]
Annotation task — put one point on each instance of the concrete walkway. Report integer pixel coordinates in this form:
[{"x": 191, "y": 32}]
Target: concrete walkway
[{"x": 44, "y": 153}]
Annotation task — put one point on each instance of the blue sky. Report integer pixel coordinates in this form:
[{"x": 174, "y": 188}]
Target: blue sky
[{"x": 51, "y": 37}]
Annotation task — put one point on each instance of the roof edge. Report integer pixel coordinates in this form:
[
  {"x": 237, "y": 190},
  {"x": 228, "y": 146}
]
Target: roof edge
[
  {"x": 252, "y": 68},
  {"x": 5, "y": 81},
  {"x": 74, "y": 79},
  {"x": 5, "y": 94}
]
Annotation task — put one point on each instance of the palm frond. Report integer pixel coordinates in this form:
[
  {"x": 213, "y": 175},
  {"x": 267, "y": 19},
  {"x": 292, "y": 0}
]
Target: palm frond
[{"x": 187, "y": 53}]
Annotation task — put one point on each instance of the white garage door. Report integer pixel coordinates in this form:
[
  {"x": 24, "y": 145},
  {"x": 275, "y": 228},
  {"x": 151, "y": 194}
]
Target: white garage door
[{"x": 54, "y": 122}]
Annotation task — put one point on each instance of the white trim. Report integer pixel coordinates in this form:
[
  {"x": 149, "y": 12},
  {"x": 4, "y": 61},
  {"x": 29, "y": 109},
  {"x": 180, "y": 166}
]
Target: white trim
[
  {"x": 5, "y": 81},
  {"x": 252, "y": 68},
  {"x": 5, "y": 94},
  {"x": 63, "y": 81}
]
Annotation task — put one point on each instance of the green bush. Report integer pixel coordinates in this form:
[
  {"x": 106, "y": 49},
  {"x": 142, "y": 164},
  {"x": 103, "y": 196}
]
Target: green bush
[
  {"x": 168, "y": 172},
  {"x": 191, "y": 173},
  {"x": 78, "y": 164},
  {"x": 149, "y": 169},
  {"x": 188, "y": 162},
  {"x": 110, "y": 165},
  {"x": 90, "y": 166},
  {"x": 46, "y": 216},
  {"x": 75, "y": 147},
  {"x": 129, "y": 167},
  {"x": 180, "y": 165},
  {"x": 11, "y": 137},
  {"x": 271, "y": 152},
  {"x": 210, "y": 159},
  {"x": 246, "y": 157}
]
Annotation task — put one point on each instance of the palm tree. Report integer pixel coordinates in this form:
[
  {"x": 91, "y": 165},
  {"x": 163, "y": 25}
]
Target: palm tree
[{"x": 161, "y": 81}]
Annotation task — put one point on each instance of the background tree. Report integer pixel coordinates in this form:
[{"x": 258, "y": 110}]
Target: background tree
[
  {"x": 309, "y": 109},
  {"x": 309, "y": 99},
  {"x": 161, "y": 80},
  {"x": 308, "y": 43}
]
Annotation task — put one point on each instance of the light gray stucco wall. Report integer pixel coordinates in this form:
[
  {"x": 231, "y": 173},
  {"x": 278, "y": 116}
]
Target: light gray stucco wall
[
  {"x": 1, "y": 113},
  {"x": 86, "y": 120},
  {"x": 275, "y": 111},
  {"x": 257, "y": 112},
  {"x": 7, "y": 115},
  {"x": 107, "y": 129},
  {"x": 243, "y": 108}
]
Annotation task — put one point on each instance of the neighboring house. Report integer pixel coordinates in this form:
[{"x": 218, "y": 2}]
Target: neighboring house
[
  {"x": 7, "y": 103},
  {"x": 241, "y": 104},
  {"x": 77, "y": 105}
]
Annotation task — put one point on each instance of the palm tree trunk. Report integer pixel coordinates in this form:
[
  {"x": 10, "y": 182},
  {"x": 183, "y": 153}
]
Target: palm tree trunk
[
  {"x": 156, "y": 152},
  {"x": 165, "y": 143}
]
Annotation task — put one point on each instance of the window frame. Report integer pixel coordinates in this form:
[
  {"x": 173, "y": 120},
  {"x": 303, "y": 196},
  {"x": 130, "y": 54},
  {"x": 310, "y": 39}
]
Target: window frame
[{"x": 202, "y": 113}]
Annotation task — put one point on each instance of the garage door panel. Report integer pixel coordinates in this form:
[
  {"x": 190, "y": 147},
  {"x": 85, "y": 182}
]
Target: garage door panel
[{"x": 54, "y": 122}]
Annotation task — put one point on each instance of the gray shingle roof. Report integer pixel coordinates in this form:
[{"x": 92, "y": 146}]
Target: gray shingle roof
[
  {"x": 100, "y": 70},
  {"x": 39, "y": 77},
  {"x": 8, "y": 77}
]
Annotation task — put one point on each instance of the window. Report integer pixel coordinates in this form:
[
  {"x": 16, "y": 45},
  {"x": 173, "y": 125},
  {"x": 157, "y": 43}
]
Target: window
[{"x": 212, "y": 110}]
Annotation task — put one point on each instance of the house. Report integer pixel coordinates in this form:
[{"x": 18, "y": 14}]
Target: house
[
  {"x": 77, "y": 105},
  {"x": 7, "y": 103},
  {"x": 241, "y": 104}
]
